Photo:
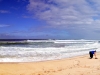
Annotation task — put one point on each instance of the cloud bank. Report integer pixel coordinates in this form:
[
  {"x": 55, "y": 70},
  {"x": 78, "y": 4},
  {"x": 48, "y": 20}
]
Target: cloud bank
[{"x": 83, "y": 15}]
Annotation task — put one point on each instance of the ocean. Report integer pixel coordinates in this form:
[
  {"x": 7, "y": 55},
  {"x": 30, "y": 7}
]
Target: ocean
[{"x": 43, "y": 50}]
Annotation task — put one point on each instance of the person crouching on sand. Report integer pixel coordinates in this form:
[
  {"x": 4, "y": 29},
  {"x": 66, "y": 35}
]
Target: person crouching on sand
[{"x": 92, "y": 53}]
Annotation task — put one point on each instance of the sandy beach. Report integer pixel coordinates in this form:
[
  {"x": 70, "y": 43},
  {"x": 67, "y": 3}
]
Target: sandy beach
[{"x": 80, "y": 65}]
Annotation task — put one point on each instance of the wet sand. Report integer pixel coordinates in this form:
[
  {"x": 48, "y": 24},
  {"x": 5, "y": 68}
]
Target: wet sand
[{"x": 80, "y": 65}]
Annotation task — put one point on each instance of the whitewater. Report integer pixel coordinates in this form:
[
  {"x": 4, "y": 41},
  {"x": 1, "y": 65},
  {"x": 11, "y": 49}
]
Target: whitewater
[{"x": 43, "y": 50}]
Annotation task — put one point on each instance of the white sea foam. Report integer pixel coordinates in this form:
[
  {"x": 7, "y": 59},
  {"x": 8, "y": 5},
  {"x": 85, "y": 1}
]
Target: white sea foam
[{"x": 31, "y": 54}]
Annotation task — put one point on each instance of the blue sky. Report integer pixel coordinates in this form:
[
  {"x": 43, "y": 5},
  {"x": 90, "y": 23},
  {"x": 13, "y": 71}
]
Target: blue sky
[{"x": 50, "y": 19}]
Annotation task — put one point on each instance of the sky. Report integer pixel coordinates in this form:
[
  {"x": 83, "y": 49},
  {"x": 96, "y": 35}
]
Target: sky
[{"x": 50, "y": 19}]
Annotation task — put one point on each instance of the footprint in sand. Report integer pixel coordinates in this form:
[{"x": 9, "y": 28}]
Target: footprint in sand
[
  {"x": 98, "y": 68},
  {"x": 76, "y": 63},
  {"x": 22, "y": 74}
]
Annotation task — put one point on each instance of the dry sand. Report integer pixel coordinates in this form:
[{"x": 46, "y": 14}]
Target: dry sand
[{"x": 80, "y": 65}]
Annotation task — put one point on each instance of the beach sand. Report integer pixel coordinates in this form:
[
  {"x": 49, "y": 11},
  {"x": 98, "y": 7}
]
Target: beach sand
[{"x": 80, "y": 65}]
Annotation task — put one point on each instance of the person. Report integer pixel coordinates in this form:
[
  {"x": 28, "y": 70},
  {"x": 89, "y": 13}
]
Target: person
[{"x": 92, "y": 53}]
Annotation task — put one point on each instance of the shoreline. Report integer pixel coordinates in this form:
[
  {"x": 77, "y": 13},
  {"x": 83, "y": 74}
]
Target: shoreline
[
  {"x": 45, "y": 60},
  {"x": 79, "y": 65}
]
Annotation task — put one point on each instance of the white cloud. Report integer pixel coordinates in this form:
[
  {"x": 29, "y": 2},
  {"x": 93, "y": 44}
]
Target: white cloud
[
  {"x": 4, "y": 11},
  {"x": 61, "y": 10},
  {"x": 69, "y": 14},
  {"x": 4, "y": 25}
]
